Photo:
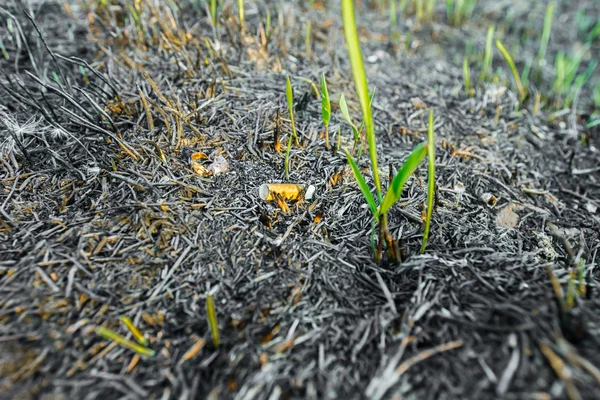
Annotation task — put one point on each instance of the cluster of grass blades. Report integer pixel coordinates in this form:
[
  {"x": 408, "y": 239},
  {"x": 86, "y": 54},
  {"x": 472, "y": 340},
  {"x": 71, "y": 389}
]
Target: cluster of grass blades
[
  {"x": 380, "y": 205},
  {"x": 459, "y": 11}
]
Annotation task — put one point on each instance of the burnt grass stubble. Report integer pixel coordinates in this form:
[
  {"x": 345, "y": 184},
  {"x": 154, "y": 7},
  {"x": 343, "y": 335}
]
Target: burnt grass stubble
[{"x": 95, "y": 224}]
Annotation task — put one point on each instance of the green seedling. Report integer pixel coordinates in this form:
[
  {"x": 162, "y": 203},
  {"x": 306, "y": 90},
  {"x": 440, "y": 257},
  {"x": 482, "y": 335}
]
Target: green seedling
[
  {"x": 511, "y": 64},
  {"x": 412, "y": 162},
  {"x": 488, "y": 53},
  {"x": 241, "y": 12},
  {"x": 289, "y": 95},
  {"x": 393, "y": 17},
  {"x": 545, "y": 35},
  {"x": 431, "y": 179},
  {"x": 268, "y": 23},
  {"x": 459, "y": 11},
  {"x": 580, "y": 81},
  {"x": 213, "y": 12},
  {"x": 429, "y": 7},
  {"x": 211, "y": 314},
  {"x": 419, "y": 9},
  {"x": 325, "y": 109},
  {"x": 467, "y": 76},
  {"x": 344, "y": 109},
  {"x": 566, "y": 82}
]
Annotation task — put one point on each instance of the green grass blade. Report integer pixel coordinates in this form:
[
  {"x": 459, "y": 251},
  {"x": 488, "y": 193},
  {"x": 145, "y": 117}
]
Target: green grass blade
[
  {"x": 289, "y": 95},
  {"x": 546, "y": 32},
  {"x": 213, "y": 11},
  {"x": 513, "y": 69},
  {"x": 362, "y": 184},
  {"x": 431, "y": 179},
  {"x": 325, "y": 103},
  {"x": 467, "y": 76},
  {"x": 212, "y": 320},
  {"x": 409, "y": 166},
  {"x": 489, "y": 54},
  {"x": 360, "y": 82}
]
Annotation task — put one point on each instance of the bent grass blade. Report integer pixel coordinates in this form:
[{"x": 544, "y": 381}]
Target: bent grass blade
[{"x": 513, "y": 69}]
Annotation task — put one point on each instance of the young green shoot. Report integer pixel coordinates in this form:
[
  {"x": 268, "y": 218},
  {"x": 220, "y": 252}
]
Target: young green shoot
[
  {"x": 488, "y": 54},
  {"x": 411, "y": 163},
  {"x": 393, "y": 16},
  {"x": 511, "y": 64},
  {"x": 467, "y": 76},
  {"x": 325, "y": 109},
  {"x": 289, "y": 95},
  {"x": 431, "y": 179},
  {"x": 241, "y": 12},
  {"x": 213, "y": 12},
  {"x": 344, "y": 109},
  {"x": 211, "y": 314},
  {"x": 545, "y": 34}
]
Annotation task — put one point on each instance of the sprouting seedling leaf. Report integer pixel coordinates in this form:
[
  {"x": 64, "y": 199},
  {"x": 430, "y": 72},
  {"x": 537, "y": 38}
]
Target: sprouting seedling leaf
[
  {"x": 431, "y": 179},
  {"x": 409, "y": 166},
  {"x": 362, "y": 184},
  {"x": 511, "y": 64},
  {"x": 212, "y": 319},
  {"x": 289, "y": 95},
  {"x": 325, "y": 109},
  {"x": 325, "y": 103},
  {"x": 346, "y": 114}
]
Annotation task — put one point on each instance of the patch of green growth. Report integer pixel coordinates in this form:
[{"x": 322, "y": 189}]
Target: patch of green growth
[
  {"x": 511, "y": 64},
  {"x": 325, "y": 109},
  {"x": 488, "y": 53},
  {"x": 588, "y": 27},
  {"x": 412, "y": 162},
  {"x": 429, "y": 7},
  {"x": 459, "y": 11},
  {"x": 566, "y": 82}
]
